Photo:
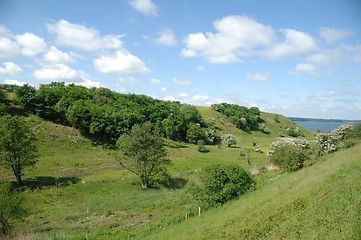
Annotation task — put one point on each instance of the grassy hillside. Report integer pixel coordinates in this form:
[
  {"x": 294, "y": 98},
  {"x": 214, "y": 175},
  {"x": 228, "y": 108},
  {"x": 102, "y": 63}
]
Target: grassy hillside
[{"x": 79, "y": 191}]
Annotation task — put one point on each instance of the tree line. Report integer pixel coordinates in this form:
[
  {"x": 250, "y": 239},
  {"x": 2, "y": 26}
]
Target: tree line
[{"x": 104, "y": 115}]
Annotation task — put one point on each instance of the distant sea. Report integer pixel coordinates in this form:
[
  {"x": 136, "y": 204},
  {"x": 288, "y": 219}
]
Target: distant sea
[{"x": 322, "y": 126}]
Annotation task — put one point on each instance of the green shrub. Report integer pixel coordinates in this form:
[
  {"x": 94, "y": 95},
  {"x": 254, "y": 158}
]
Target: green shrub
[
  {"x": 201, "y": 147},
  {"x": 220, "y": 183},
  {"x": 292, "y": 133},
  {"x": 290, "y": 158}
]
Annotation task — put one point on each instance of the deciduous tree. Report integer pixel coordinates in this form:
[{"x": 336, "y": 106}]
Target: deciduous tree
[
  {"x": 17, "y": 149},
  {"x": 143, "y": 153}
]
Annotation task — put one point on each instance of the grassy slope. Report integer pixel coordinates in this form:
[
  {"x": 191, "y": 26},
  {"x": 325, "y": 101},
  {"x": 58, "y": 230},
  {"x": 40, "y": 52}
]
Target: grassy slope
[{"x": 95, "y": 186}]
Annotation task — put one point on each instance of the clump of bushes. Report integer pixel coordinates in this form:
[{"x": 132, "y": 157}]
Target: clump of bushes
[
  {"x": 290, "y": 158},
  {"x": 220, "y": 183}
]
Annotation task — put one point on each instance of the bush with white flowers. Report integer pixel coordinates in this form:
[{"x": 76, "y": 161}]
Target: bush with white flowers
[
  {"x": 229, "y": 139},
  {"x": 299, "y": 143}
]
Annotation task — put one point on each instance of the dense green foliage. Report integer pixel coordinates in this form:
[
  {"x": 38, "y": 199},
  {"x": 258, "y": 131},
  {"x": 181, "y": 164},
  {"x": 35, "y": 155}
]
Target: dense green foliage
[
  {"x": 244, "y": 118},
  {"x": 17, "y": 149},
  {"x": 220, "y": 183},
  {"x": 104, "y": 115},
  {"x": 143, "y": 153},
  {"x": 290, "y": 158},
  {"x": 11, "y": 208}
]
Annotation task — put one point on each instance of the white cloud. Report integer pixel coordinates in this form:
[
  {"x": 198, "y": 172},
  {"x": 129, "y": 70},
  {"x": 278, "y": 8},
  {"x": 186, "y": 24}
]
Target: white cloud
[
  {"x": 182, "y": 82},
  {"x": 164, "y": 89},
  {"x": 77, "y": 55},
  {"x": 200, "y": 68},
  {"x": 121, "y": 63},
  {"x": 123, "y": 89},
  {"x": 326, "y": 57},
  {"x": 55, "y": 56},
  {"x": 155, "y": 81},
  {"x": 31, "y": 44},
  {"x": 59, "y": 73},
  {"x": 182, "y": 95},
  {"x": 130, "y": 80},
  {"x": 167, "y": 38},
  {"x": 8, "y": 48},
  {"x": 200, "y": 98},
  {"x": 4, "y": 31},
  {"x": 260, "y": 76},
  {"x": 147, "y": 7},
  {"x": 331, "y": 35},
  {"x": 169, "y": 98},
  {"x": 81, "y": 37},
  {"x": 303, "y": 68},
  {"x": 10, "y": 69},
  {"x": 236, "y": 36},
  {"x": 295, "y": 43},
  {"x": 357, "y": 56},
  {"x": 14, "y": 82},
  {"x": 322, "y": 97}
]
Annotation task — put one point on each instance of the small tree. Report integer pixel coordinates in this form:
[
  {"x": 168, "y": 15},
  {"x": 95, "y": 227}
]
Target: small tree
[
  {"x": 143, "y": 153},
  {"x": 10, "y": 208},
  {"x": 17, "y": 149},
  {"x": 229, "y": 139}
]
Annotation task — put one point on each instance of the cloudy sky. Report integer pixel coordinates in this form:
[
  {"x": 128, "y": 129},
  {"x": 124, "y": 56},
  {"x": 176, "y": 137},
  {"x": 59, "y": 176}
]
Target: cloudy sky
[{"x": 296, "y": 58}]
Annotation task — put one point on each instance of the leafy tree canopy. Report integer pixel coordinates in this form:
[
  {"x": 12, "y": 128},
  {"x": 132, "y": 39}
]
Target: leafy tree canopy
[
  {"x": 17, "y": 149},
  {"x": 142, "y": 152}
]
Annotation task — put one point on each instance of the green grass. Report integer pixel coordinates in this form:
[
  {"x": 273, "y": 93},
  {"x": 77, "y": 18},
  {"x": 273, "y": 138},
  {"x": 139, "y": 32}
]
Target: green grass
[{"x": 98, "y": 199}]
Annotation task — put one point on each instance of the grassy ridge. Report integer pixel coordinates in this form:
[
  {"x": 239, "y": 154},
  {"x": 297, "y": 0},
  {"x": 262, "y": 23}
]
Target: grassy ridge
[{"x": 100, "y": 200}]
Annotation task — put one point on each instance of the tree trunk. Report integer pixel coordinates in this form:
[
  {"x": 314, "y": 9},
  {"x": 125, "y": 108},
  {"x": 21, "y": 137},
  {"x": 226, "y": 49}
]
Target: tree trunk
[
  {"x": 18, "y": 179},
  {"x": 145, "y": 183}
]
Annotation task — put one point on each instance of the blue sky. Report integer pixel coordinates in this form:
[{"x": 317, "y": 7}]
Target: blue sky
[{"x": 295, "y": 58}]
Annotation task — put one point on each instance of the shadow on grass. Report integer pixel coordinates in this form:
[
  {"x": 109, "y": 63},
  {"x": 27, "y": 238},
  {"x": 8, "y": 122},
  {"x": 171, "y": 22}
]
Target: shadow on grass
[
  {"x": 170, "y": 183},
  {"x": 47, "y": 181},
  {"x": 204, "y": 150}
]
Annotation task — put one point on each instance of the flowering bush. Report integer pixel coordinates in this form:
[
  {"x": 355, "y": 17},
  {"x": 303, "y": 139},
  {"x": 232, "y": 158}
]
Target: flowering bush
[
  {"x": 229, "y": 139},
  {"x": 258, "y": 149},
  {"x": 327, "y": 142},
  {"x": 299, "y": 143},
  {"x": 210, "y": 135}
]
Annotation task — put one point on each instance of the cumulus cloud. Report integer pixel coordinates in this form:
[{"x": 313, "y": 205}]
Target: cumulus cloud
[
  {"x": 200, "y": 98},
  {"x": 182, "y": 82},
  {"x": 303, "y": 68},
  {"x": 166, "y": 37},
  {"x": 169, "y": 98},
  {"x": 81, "y": 37},
  {"x": 130, "y": 80},
  {"x": 155, "y": 81},
  {"x": 59, "y": 73},
  {"x": 8, "y": 48},
  {"x": 259, "y": 76},
  {"x": 55, "y": 56},
  {"x": 182, "y": 95},
  {"x": 147, "y": 7},
  {"x": 295, "y": 43},
  {"x": 31, "y": 44},
  {"x": 121, "y": 63},
  {"x": 164, "y": 89},
  {"x": 62, "y": 73},
  {"x": 326, "y": 57},
  {"x": 200, "y": 68},
  {"x": 10, "y": 69},
  {"x": 236, "y": 36},
  {"x": 14, "y": 82},
  {"x": 332, "y": 35}
]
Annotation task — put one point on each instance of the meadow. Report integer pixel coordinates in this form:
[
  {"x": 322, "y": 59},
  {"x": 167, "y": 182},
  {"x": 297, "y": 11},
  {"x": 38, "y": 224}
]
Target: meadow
[{"x": 79, "y": 191}]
